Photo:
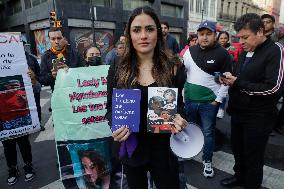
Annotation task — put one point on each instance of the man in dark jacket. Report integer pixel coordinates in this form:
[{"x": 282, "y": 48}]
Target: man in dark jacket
[
  {"x": 277, "y": 35},
  {"x": 34, "y": 73},
  {"x": 270, "y": 31},
  {"x": 171, "y": 42},
  {"x": 59, "y": 56},
  {"x": 254, "y": 89}
]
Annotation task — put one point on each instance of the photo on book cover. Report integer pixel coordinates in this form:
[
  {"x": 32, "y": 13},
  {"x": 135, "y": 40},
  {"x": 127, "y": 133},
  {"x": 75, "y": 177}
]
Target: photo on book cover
[{"x": 162, "y": 107}]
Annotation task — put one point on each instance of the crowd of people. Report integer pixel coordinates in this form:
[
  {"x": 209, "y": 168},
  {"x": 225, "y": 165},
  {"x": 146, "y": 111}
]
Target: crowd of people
[{"x": 213, "y": 70}]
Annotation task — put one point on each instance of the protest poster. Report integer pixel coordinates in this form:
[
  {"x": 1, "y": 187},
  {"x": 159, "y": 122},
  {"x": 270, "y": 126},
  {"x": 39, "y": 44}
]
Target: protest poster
[
  {"x": 82, "y": 132},
  {"x": 126, "y": 109},
  {"x": 162, "y": 107},
  {"x": 18, "y": 112}
]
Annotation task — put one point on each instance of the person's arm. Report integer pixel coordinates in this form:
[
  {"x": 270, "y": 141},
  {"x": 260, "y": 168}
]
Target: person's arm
[
  {"x": 180, "y": 79},
  {"x": 176, "y": 47},
  {"x": 223, "y": 90},
  {"x": 110, "y": 86},
  {"x": 45, "y": 76},
  {"x": 106, "y": 182},
  {"x": 273, "y": 77}
]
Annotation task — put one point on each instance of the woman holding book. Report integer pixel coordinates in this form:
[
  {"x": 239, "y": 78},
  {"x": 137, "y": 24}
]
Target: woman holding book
[{"x": 146, "y": 63}]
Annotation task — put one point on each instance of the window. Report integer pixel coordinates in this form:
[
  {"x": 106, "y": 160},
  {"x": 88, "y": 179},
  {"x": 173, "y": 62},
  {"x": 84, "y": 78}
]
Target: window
[
  {"x": 28, "y": 4},
  {"x": 102, "y": 3},
  {"x": 236, "y": 10},
  {"x": 222, "y": 6},
  {"x": 33, "y": 3},
  {"x": 132, "y": 4},
  {"x": 191, "y": 6},
  {"x": 205, "y": 7},
  {"x": 212, "y": 8},
  {"x": 198, "y": 6},
  {"x": 15, "y": 7},
  {"x": 171, "y": 10},
  {"x": 228, "y": 8}
]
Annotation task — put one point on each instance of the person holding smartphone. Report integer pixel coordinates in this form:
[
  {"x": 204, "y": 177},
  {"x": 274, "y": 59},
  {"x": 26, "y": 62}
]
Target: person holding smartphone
[{"x": 59, "y": 56}]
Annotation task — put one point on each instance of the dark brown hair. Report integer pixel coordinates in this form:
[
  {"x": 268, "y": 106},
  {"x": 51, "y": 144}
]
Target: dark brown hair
[
  {"x": 52, "y": 29},
  {"x": 96, "y": 159},
  {"x": 128, "y": 70}
]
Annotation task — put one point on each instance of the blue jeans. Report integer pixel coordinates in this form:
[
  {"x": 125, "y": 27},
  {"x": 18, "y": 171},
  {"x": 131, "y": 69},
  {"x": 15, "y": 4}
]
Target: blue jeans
[{"x": 204, "y": 114}]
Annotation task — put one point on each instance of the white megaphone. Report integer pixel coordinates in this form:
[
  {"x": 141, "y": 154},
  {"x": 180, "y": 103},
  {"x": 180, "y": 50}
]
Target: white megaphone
[{"x": 187, "y": 143}]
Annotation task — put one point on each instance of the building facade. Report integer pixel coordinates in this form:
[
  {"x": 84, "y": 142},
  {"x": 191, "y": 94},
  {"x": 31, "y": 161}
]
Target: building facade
[
  {"x": 200, "y": 10},
  {"x": 109, "y": 17},
  {"x": 230, "y": 10}
]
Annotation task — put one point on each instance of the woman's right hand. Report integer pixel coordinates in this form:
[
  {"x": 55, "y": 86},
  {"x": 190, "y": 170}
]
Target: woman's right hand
[{"x": 121, "y": 134}]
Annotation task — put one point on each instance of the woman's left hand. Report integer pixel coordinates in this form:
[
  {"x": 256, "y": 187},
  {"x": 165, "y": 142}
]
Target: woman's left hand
[{"x": 179, "y": 123}]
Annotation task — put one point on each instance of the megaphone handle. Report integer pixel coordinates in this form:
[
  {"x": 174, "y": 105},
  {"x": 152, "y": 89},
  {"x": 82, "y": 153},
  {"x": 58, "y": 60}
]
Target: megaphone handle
[{"x": 182, "y": 136}]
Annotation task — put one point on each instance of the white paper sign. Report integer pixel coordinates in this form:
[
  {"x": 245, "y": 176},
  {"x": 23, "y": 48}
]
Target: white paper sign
[{"x": 18, "y": 113}]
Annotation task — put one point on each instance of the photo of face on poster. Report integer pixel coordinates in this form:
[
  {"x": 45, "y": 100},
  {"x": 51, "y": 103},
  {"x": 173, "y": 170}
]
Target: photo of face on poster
[
  {"x": 162, "y": 107},
  {"x": 85, "y": 165},
  {"x": 14, "y": 110},
  {"x": 94, "y": 169}
]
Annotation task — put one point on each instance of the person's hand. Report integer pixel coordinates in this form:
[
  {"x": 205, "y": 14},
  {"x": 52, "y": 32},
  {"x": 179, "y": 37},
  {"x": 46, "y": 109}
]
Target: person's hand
[
  {"x": 229, "y": 79},
  {"x": 215, "y": 103},
  {"x": 61, "y": 65},
  {"x": 31, "y": 74},
  {"x": 121, "y": 134},
  {"x": 179, "y": 123},
  {"x": 54, "y": 73}
]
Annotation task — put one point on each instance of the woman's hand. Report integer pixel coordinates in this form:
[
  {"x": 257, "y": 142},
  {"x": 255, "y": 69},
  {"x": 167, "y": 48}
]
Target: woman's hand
[
  {"x": 179, "y": 123},
  {"x": 121, "y": 134}
]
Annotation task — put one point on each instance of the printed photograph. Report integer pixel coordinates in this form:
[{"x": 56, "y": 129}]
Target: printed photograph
[
  {"x": 162, "y": 107},
  {"x": 14, "y": 109},
  {"x": 85, "y": 165}
]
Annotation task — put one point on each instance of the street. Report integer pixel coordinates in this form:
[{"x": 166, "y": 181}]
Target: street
[{"x": 47, "y": 174}]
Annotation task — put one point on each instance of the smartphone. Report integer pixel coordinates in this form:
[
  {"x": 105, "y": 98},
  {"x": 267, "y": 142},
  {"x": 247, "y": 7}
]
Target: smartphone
[{"x": 55, "y": 63}]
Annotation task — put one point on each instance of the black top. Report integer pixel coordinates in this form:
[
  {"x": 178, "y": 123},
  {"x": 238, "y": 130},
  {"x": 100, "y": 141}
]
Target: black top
[
  {"x": 259, "y": 82},
  {"x": 147, "y": 141},
  {"x": 212, "y": 59},
  {"x": 172, "y": 44}
]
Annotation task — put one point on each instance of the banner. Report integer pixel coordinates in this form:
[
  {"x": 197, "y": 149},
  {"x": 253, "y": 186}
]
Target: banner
[
  {"x": 82, "y": 132},
  {"x": 18, "y": 113}
]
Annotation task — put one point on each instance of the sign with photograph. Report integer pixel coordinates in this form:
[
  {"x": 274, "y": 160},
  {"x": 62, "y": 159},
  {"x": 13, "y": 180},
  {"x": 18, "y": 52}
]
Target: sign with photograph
[
  {"x": 18, "y": 112},
  {"x": 82, "y": 133}
]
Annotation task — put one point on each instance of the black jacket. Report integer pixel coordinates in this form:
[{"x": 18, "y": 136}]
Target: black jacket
[
  {"x": 259, "y": 82},
  {"x": 73, "y": 60},
  {"x": 33, "y": 65}
]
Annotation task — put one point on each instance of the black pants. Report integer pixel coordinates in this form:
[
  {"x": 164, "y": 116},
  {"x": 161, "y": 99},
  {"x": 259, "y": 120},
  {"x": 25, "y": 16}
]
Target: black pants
[
  {"x": 38, "y": 107},
  {"x": 249, "y": 136},
  {"x": 163, "y": 168},
  {"x": 10, "y": 150}
]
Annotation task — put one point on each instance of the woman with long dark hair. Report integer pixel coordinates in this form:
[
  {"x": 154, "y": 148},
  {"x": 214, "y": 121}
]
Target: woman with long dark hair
[
  {"x": 95, "y": 172},
  {"x": 146, "y": 63}
]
